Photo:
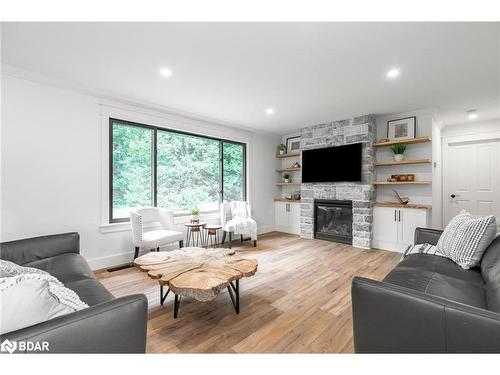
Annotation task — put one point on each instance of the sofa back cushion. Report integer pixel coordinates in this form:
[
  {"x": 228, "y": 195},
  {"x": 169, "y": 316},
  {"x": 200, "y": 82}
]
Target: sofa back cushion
[
  {"x": 32, "y": 249},
  {"x": 490, "y": 271}
]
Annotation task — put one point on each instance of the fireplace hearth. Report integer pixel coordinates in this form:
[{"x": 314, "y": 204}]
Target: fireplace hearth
[{"x": 333, "y": 220}]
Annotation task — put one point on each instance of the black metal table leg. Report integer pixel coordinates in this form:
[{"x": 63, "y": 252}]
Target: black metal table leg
[
  {"x": 177, "y": 302},
  {"x": 235, "y": 299},
  {"x": 163, "y": 297}
]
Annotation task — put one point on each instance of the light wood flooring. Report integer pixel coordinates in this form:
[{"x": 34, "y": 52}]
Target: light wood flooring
[{"x": 298, "y": 301}]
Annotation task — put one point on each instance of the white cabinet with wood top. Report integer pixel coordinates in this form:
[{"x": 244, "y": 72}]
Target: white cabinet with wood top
[
  {"x": 287, "y": 217},
  {"x": 394, "y": 227}
]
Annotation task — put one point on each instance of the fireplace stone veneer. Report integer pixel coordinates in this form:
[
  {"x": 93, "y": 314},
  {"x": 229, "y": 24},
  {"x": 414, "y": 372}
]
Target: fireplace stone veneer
[{"x": 338, "y": 133}]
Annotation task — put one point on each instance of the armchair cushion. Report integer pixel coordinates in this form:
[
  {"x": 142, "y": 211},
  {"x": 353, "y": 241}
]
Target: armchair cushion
[
  {"x": 160, "y": 237},
  {"x": 246, "y": 226},
  {"x": 66, "y": 267}
]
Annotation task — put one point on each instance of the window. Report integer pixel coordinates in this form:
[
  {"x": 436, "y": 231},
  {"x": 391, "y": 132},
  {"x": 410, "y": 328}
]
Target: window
[{"x": 153, "y": 166}]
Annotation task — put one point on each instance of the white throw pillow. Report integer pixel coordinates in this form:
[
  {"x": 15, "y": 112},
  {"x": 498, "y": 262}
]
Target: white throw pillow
[
  {"x": 466, "y": 238},
  {"x": 33, "y": 297}
]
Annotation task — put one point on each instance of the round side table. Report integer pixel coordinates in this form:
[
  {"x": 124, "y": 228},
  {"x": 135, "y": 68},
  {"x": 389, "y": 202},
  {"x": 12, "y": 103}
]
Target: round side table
[
  {"x": 212, "y": 235},
  {"x": 195, "y": 235}
]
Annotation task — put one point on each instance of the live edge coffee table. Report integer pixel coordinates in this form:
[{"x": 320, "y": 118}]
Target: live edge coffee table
[{"x": 197, "y": 273}]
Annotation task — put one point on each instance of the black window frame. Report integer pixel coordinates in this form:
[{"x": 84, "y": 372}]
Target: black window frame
[{"x": 154, "y": 152}]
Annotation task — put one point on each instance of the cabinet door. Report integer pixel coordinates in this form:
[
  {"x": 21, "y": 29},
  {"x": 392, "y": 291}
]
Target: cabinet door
[
  {"x": 281, "y": 216},
  {"x": 408, "y": 220},
  {"x": 294, "y": 218},
  {"x": 385, "y": 227}
]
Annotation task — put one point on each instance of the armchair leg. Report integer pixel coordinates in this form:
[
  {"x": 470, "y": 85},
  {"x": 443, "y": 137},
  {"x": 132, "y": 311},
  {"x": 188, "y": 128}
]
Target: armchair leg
[
  {"x": 230, "y": 238},
  {"x": 241, "y": 238},
  {"x": 223, "y": 236},
  {"x": 157, "y": 249},
  {"x": 136, "y": 254},
  {"x": 254, "y": 243},
  {"x": 181, "y": 244}
]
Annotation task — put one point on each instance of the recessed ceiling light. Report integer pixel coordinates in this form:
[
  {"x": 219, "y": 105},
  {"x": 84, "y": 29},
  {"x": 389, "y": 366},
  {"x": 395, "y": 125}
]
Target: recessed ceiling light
[
  {"x": 166, "y": 72},
  {"x": 472, "y": 114},
  {"x": 392, "y": 73},
  {"x": 270, "y": 111}
]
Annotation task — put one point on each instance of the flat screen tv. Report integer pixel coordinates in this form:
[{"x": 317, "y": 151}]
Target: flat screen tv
[{"x": 332, "y": 164}]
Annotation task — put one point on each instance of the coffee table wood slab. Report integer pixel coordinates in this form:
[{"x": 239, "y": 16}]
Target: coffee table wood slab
[{"x": 195, "y": 272}]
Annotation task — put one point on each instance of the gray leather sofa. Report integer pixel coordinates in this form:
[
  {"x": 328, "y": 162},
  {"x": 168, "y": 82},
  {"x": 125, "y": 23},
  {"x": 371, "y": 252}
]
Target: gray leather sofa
[
  {"x": 428, "y": 304},
  {"x": 109, "y": 325}
]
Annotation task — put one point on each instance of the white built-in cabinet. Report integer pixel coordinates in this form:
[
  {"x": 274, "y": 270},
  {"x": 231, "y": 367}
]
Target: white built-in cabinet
[
  {"x": 394, "y": 227},
  {"x": 287, "y": 217}
]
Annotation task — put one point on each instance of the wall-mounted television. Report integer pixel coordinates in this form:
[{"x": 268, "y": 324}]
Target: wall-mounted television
[{"x": 332, "y": 164}]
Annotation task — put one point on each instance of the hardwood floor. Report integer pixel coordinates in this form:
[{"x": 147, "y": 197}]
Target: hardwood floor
[{"x": 297, "y": 302}]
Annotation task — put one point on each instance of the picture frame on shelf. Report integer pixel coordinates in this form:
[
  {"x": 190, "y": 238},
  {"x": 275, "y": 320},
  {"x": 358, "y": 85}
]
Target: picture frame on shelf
[
  {"x": 293, "y": 144},
  {"x": 402, "y": 128}
]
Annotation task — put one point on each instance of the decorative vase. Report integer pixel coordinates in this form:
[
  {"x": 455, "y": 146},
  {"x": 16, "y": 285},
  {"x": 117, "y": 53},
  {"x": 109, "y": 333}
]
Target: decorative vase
[
  {"x": 399, "y": 157},
  {"x": 287, "y": 180},
  {"x": 282, "y": 152},
  {"x": 195, "y": 218}
]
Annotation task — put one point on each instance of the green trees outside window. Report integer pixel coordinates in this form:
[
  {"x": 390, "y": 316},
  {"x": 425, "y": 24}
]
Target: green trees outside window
[{"x": 191, "y": 171}]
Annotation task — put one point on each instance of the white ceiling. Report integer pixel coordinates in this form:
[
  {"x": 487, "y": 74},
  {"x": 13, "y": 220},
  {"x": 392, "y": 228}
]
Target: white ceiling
[{"x": 308, "y": 72}]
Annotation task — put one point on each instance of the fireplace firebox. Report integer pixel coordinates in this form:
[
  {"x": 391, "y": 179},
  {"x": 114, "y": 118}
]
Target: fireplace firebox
[{"x": 333, "y": 220}]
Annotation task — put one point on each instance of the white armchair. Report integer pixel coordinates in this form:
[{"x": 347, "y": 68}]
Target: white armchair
[
  {"x": 235, "y": 218},
  {"x": 153, "y": 239}
]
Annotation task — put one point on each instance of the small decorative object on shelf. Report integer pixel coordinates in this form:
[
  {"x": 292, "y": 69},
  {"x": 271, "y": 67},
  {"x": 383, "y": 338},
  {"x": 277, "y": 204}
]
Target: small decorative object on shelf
[
  {"x": 295, "y": 165},
  {"x": 398, "y": 150},
  {"x": 195, "y": 215},
  {"x": 293, "y": 144},
  {"x": 403, "y": 177},
  {"x": 383, "y": 140},
  {"x": 403, "y": 128},
  {"x": 296, "y": 196},
  {"x": 402, "y": 200},
  {"x": 287, "y": 178},
  {"x": 281, "y": 149}
]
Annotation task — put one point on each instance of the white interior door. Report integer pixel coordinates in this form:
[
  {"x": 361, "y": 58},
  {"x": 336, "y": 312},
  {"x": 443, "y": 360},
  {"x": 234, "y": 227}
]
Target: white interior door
[{"x": 471, "y": 178}]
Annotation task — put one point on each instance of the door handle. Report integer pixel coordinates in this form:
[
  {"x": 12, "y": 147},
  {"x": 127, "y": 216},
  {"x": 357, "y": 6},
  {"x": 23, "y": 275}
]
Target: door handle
[
  {"x": 453, "y": 195},
  {"x": 395, "y": 218},
  {"x": 399, "y": 216}
]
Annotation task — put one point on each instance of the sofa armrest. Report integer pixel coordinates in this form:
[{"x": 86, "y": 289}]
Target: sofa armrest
[
  {"x": 116, "y": 326},
  {"x": 388, "y": 318},
  {"x": 427, "y": 235},
  {"x": 32, "y": 249}
]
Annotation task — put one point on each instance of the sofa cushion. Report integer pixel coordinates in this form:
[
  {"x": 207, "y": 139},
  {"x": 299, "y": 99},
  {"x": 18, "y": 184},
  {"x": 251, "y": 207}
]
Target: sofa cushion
[
  {"x": 466, "y": 237},
  {"x": 65, "y": 267},
  {"x": 90, "y": 291},
  {"x": 440, "y": 277},
  {"x": 34, "y": 297},
  {"x": 490, "y": 270}
]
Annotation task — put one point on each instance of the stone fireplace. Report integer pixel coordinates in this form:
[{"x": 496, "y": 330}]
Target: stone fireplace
[
  {"x": 333, "y": 220},
  {"x": 361, "y": 194}
]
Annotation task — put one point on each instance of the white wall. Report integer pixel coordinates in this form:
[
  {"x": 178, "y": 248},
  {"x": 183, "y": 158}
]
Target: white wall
[
  {"x": 417, "y": 193},
  {"x": 54, "y": 166},
  {"x": 470, "y": 128}
]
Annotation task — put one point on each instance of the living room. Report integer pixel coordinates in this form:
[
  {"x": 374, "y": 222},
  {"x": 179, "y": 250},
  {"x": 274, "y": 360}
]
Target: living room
[{"x": 250, "y": 187}]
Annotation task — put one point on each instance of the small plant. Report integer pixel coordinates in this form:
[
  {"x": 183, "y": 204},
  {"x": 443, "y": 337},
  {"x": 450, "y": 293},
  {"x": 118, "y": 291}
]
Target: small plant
[
  {"x": 286, "y": 176},
  {"x": 398, "y": 148},
  {"x": 281, "y": 148},
  {"x": 195, "y": 212}
]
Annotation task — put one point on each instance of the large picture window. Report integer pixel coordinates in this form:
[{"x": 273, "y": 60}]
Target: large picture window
[{"x": 151, "y": 166}]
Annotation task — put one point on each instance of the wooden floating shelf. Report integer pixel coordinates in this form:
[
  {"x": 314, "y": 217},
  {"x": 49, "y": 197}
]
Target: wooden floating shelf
[
  {"x": 402, "y": 183},
  {"x": 287, "y": 200},
  {"x": 397, "y": 204},
  {"x": 404, "y": 141},
  {"x": 288, "y": 183},
  {"x": 289, "y": 155},
  {"x": 287, "y": 169},
  {"x": 402, "y": 162}
]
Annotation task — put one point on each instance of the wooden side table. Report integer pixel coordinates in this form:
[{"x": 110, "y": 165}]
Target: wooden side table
[
  {"x": 212, "y": 235},
  {"x": 195, "y": 236}
]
